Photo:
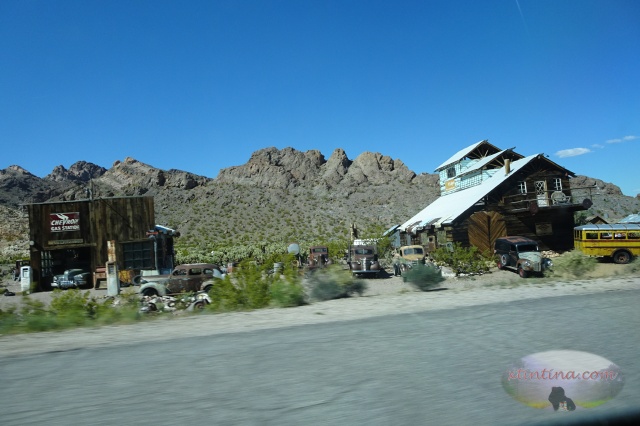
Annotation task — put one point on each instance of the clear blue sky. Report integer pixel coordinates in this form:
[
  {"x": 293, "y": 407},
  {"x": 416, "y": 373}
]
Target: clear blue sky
[{"x": 200, "y": 85}]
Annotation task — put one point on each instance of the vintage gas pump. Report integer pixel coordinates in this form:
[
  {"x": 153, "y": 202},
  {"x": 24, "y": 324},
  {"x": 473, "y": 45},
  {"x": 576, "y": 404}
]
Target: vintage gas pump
[
  {"x": 113, "y": 280},
  {"x": 25, "y": 279}
]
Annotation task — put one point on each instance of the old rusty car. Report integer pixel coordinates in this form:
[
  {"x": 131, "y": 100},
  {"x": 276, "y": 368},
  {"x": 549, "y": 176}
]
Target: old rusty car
[
  {"x": 406, "y": 257},
  {"x": 318, "y": 257},
  {"x": 522, "y": 254},
  {"x": 190, "y": 277},
  {"x": 363, "y": 260}
]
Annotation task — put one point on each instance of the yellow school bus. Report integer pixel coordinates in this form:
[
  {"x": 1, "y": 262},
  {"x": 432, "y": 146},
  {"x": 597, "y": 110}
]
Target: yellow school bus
[{"x": 619, "y": 241}]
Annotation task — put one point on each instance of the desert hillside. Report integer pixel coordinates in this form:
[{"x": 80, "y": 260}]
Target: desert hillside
[{"x": 277, "y": 196}]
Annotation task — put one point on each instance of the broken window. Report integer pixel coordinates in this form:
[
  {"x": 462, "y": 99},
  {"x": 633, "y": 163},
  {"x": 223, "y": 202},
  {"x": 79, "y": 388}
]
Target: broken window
[
  {"x": 557, "y": 184},
  {"x": 138, "y": 255},
  {"x": 522, "y": 187},
  {"x": 451, "y": 172}
]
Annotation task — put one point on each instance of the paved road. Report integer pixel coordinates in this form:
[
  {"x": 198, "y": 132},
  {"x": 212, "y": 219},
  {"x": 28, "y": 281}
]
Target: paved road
[{"x": 438, "y": 367}]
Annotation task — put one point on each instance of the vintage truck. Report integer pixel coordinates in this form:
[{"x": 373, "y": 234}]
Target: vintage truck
[
  {"x": 406, "y": 257},
  {"x": 318, "y": 257},
  {"x": 190, "y": 277},
  {"x": 362, "y": 260},
  {"x": 522, "y": 254}
]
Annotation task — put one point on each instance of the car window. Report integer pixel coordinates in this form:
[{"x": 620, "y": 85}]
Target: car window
[{"x": 523, "y": 248}]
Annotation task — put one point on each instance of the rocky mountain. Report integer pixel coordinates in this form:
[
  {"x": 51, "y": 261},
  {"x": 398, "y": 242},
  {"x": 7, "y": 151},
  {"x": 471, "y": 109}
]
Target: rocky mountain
[{"x": 278, "y": 195}]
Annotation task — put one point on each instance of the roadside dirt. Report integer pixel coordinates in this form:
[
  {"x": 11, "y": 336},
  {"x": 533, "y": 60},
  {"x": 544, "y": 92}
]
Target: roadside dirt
[{"x": 386, "y": 285}]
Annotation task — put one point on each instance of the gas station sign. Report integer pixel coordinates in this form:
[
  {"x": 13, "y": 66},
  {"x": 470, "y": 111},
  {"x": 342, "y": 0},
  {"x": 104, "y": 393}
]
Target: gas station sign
[{"x": 64, "y": 222}]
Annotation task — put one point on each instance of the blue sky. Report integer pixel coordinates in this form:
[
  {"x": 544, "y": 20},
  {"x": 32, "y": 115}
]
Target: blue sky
[{"x": 201, "y": 85}]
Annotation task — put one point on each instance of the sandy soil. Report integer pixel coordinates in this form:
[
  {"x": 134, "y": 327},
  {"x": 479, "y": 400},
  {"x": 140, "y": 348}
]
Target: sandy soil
[
  {"x": 384, "y": 296},
  {"x": 387, "y": 285}
]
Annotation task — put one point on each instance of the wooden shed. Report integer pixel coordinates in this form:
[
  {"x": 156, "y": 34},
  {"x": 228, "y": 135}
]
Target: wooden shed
[{"x": 85, "y": 234}]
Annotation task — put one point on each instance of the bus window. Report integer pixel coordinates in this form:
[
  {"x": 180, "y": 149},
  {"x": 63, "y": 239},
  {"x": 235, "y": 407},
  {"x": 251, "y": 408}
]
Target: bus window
[
  {"x": 591, "y": 235},
  {"x": 605, "y": 235},
  {"x": 619, "y": 236},
  {"x": 633, "y": 235}
]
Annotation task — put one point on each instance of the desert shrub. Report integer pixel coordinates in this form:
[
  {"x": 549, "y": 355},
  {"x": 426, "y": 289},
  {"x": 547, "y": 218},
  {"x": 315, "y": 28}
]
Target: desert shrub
[
  {"x": 248, "y": 289},
  {"x": 333, "y": 282},
  {"x": 34, "y": 316},
  {"x": 634, "y": 266},
  {"x": 225, "y": 296},
  {"x": 72, "y": 307},
  {"x": 424, "y": 277},
  {"x": 463, "y": 260},
  {"x": 285, "y": 293},
  {"x": 9, "y": 320},
  {"x": 573, "y": 264}
]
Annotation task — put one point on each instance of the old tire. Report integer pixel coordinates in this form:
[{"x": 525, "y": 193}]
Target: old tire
[
  {"x": 522, "y": 272},
  {"x": 622, "y": 257},
  {"x": 503, "y": 261},
  {"x": 149, "y": 292}
]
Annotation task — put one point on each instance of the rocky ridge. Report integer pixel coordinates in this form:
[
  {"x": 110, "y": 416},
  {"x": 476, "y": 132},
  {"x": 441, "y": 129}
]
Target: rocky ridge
[{"x": 278, "y": 194}]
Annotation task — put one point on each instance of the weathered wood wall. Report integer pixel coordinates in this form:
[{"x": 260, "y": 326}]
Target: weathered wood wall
[{"x": 125, "y": 219}]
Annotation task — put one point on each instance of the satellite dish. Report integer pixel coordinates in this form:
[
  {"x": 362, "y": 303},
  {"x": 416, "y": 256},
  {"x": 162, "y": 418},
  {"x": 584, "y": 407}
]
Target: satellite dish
[
  {"x": 587, "y": 203},
  {"x": 294, "y": 248}
]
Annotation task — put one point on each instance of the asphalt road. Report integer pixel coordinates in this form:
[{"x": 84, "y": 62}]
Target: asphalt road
[{"x": 438, "y": 367}]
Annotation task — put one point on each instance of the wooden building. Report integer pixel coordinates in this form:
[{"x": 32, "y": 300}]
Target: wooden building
[
  {"x": 487, "y": 193},
  {"x": 86, "y": 234}
]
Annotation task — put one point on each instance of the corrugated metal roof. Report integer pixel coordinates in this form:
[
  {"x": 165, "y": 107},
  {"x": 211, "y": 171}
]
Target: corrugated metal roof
[
  {"x": 481, "y": 163},
  {"x": 448, "y": 207},
  {"x": 632, "y": 218},
  {"x": 459, "y": 155},
  {"x": 609, "y": 227}
]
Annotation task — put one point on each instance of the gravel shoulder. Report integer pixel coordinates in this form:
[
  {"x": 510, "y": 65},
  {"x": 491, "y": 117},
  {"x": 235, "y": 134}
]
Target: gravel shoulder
[{"x": 384, "y": 296}]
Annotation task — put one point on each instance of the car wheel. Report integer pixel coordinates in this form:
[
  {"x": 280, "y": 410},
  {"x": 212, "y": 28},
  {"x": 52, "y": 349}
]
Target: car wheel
[
  {"x": 199, "y": 305},
  {"x": 207, "y": 289},
  {"x": 503, "y": 261},
  {"x": 149, "y": 292},
  {"x": 621, "y": 257},
  {"x": 522, "y": 272}
]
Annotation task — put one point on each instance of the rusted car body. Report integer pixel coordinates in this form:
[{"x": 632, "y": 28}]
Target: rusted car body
[
  {"x": 318, "y": 257},
  {"x": 407, "y": 257},
  {"x": 522, "y": 254},
  {"x": 363, "y": 260},
  {"x": 190, "y": 277}
]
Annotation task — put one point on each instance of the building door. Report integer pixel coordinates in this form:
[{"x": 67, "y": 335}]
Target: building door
[
  {"x": 484, "y": 228},
  {"x": 541, "y": 193}
]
